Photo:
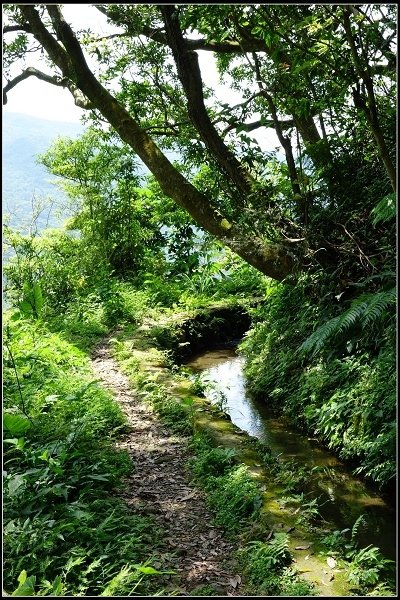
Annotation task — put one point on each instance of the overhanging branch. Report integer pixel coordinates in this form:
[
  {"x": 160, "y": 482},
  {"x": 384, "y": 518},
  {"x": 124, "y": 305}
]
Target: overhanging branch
[
  {"x": 12, "y": 28},
  {"x": 248, "y": 127},
  {"x": 189, "y": 73},
  {"x": 79, "y": 98},
  {"x": 159, "y": 35}
]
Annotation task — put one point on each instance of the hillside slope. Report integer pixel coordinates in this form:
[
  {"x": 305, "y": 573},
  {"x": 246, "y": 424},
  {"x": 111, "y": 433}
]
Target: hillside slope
[{"x": 24, "y": 181}]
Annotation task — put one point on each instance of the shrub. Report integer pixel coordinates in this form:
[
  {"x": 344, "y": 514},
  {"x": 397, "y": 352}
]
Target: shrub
[{"x": 234, "y": 497}]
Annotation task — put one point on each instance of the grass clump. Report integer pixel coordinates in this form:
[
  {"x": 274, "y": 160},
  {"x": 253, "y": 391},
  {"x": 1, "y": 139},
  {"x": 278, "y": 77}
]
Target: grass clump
[
  {"x": 231, "y": 492},
  {"x": 209, "y": 461},
  {"x": 266, "y": 566}
]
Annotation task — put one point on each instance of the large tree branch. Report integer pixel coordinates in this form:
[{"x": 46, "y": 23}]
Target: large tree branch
[
  {"x": 271, "y": 259},
  {"x": 79, "y": 99},
  {"x": 248, "y": 127},
  {"x": 227, "y": 47},
  {"x": 190, "y": 76},
  {"x": 12, "y": 28},
  {"x": 29, "y": 72},
  {"x": 55, "y": 51},
  {"x": 235, "y": 121}
]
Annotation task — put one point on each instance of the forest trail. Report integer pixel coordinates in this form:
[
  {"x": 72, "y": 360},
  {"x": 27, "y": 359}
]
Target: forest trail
[{"x": 159, "y": 485}]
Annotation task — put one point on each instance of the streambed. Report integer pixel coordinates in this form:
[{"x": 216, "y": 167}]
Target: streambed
[{"x": 342, "y": 498}]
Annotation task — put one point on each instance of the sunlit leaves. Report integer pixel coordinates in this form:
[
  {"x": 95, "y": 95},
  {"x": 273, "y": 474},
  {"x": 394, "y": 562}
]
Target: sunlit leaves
[
  {"x": 15, "y": 424},
  {"x": 385, "y": 210}
]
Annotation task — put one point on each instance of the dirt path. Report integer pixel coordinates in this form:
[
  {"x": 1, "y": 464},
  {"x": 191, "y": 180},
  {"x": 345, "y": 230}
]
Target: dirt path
[{"x": 159, "y": 485}]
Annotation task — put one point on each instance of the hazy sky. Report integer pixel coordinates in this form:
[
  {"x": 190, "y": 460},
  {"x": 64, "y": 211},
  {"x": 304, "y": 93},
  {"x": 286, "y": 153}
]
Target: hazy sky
[{"x": 40, "y": 99}]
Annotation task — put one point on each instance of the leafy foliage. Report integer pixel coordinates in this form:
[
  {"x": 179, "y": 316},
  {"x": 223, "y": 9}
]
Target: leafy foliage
[
  {"x": 234, "y": 497},
  {"x": 266, "y": 564},
  {"x": 385, "y": 210},
  {"x": 367, "y": 309},
  {"x": 270, "y": 555},
  {"x": 367, "y": 569},
  {"x": 210, "y": 461}
]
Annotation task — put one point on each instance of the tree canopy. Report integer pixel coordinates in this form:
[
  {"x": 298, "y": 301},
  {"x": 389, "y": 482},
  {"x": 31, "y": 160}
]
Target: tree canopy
[{"x": 322, "y": 77}]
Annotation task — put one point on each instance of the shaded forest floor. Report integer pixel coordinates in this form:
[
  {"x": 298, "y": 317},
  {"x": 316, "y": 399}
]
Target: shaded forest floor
[{"x": 192, "y": 547}]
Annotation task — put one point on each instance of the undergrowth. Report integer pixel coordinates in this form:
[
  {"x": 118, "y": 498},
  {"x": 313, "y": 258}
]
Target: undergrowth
[{"x": 65, "y": 534}]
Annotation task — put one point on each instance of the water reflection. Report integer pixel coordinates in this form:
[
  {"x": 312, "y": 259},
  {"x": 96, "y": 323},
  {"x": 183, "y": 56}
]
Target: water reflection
[{"x": 342, "y": 497}]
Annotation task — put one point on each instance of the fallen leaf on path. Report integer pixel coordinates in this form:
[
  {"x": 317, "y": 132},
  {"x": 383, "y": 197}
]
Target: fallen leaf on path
[
  {"x": 213, "y": 534},
  {"x": 188, "y": 497},
  {"x": 331, "y": 562},
  {"x": 234, "y": 581},
  {"x": 302, "y": 547},
  {"x": 304, "y": 571}
]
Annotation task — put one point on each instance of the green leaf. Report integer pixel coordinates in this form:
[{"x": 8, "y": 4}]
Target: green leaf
[
  {"x": 384, "y": 210},
  {"x": 15, "y": 424},
  {"x": 22, "y": 577},
  {"x": 38, "y": 298},
  {"x": 26, "y": 307},
  {"x": 98, "y": 477},
  {"x": 19, "y": 443},
  {"x": 57, "y": 586},
  {"x": 148, "y": 570},
  {"x": 26, "y": 585},
  {"x": 10, "y": 527},
  {"x": 15, "y": 483}
]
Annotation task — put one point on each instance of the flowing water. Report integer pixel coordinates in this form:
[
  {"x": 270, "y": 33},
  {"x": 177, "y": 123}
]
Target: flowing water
[{"x": 342, "y": 498}]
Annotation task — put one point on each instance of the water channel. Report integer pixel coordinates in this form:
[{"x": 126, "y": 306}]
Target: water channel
[{"x": 342, "y": 498}]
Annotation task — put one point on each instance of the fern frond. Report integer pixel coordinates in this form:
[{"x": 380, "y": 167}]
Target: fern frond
[
  {"x": 360, "y": 522},
  {"x": 378, "y": 304},
  {"x": 350, "y": 317},
  {"x": 366, "y": 309},
  {"x": 273, "y": 553},
  {"x": 317, "y": 339}
]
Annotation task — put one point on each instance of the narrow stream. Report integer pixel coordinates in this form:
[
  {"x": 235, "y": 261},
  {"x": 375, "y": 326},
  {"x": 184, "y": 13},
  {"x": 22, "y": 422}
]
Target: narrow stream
[{"x": 342, "y": 497}]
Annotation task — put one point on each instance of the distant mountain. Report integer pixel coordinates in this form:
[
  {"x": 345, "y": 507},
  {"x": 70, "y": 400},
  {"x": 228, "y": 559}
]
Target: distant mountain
[{"x": 24, "y": 181}]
